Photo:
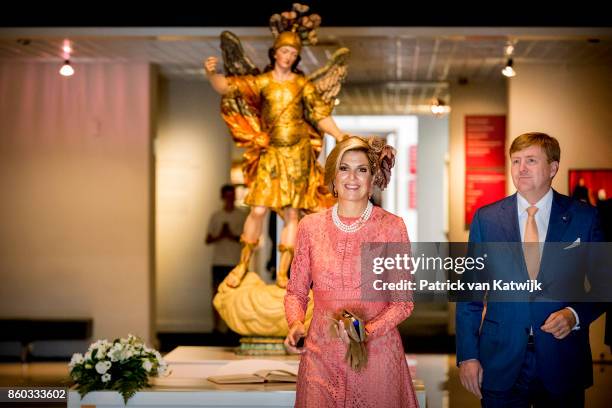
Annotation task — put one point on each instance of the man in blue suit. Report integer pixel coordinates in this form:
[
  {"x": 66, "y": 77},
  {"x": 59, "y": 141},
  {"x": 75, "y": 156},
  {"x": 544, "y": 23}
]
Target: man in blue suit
[{"x": 523, "y": 353}]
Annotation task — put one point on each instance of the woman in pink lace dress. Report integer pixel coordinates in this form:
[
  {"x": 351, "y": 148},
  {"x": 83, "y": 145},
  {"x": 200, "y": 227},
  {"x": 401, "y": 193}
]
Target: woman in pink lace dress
[{"x": 328, "y": 258}]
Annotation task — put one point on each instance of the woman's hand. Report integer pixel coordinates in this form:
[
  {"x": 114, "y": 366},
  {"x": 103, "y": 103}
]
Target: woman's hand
[
  {"x": 210, "y": 65},
  {"x": 296, "y": 332},
  {"x": 342, "y": 333},
  {"x": 337, "y": 329}
]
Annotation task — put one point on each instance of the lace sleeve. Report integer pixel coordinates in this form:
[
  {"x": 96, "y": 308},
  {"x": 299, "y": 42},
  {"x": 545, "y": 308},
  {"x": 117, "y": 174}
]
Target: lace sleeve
[
  {"x": 296, "y": 298},
  {"x": 397, "y": 310}
]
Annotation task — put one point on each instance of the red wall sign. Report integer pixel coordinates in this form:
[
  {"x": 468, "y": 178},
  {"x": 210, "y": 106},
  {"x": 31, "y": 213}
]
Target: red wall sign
[
  {"x": 412, "y": 159},
  {"x": 485, "y": 162},
  {"x": 412, "y": 170}
]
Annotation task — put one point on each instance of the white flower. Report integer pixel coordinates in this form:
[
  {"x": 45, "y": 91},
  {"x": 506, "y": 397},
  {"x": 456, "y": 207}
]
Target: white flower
[
  {"x": 100, "y": 344},
  {"x": 115, "y": 352},
  {"x": 102, "y": 354},
  {"x": 120, "y": 352},
  {"x": 103, "y": 366},
  {"x": 77, "y": 358},
  {"x": 147, "y": 365}
]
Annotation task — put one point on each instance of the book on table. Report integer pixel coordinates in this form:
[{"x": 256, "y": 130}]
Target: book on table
[{"x": 255, "y": 371}]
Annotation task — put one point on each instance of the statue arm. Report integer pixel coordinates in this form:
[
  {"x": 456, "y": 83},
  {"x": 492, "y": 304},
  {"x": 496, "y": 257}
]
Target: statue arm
[
  {"x": 329, "y": 126},
  {"x": 218, "y": 81}
]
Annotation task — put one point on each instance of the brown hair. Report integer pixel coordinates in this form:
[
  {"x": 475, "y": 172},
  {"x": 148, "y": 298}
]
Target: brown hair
[
  {"x": 380, "y": 158},
  {"x": 549, "y": 144}
]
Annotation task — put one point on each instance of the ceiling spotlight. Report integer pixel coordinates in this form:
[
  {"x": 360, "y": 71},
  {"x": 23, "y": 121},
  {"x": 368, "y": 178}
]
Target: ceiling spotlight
[
  {"x": 66, "y": 69},
  {"x": 67, "y": 47},
  {"x": 438, "y": 107},
  {"x": 508, "y": 70}
]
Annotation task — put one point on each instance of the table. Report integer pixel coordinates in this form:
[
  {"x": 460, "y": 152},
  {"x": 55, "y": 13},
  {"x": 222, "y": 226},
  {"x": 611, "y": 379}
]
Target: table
[{"x": 186, "y": 386}]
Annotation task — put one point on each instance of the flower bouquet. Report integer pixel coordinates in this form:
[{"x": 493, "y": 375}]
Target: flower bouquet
[{"x": 125, "y": 365}]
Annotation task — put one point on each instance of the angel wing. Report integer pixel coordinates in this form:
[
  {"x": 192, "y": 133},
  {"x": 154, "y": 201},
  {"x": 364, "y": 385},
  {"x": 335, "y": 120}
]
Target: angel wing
[
  {"x": 328, "y": 79},
  {"x": 235, "y": 60},
  {"x": 240, "y": 111}
]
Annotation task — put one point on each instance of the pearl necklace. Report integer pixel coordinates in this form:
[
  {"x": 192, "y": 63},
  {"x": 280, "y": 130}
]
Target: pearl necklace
[{"x": 357, "y": 224}]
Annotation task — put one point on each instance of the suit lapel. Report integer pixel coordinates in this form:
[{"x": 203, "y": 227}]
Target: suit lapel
[
  {"x": 560, "y": 218},
  {"x": 559, "y": 221},
  {"x": 508, "y": 218}
]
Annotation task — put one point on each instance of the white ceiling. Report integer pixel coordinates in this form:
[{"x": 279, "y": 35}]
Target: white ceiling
[{"x": 391, "y": 70}]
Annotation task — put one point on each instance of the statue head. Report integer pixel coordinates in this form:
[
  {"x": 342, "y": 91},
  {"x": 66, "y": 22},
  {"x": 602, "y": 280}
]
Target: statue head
[{"x": 288, "y": 38}]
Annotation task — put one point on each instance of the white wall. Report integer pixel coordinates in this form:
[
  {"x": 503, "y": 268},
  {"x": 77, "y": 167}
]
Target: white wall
[
  {"x": 193, "y": 158},
  {"x": 571, "y": 103},
  {"x": 75, "y": 180},
  {"x": 431, "y": 157}
]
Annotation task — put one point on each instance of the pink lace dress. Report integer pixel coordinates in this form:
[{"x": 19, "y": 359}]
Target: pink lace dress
[{"x": 330, "y": 260}]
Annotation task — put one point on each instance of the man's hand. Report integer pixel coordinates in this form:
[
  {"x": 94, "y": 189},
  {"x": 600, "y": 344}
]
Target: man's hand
[
  {"x": 560, "y": 323},
  {"x": 225, "y": 231},
  {"x": 470, "y": 374}
]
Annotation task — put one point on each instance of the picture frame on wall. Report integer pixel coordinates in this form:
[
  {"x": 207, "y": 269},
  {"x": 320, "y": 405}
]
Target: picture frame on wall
[{"x": 590, "y": 185}]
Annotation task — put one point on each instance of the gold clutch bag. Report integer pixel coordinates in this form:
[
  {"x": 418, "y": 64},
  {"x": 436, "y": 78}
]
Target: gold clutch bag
[{"x": 356, "y": 354}]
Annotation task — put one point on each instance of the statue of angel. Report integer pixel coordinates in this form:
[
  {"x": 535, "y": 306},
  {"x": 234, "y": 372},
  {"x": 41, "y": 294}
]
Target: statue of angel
[{"x": 280, "y": 116}]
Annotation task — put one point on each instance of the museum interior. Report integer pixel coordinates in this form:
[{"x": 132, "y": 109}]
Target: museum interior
[{"x": 114, "y": 151}]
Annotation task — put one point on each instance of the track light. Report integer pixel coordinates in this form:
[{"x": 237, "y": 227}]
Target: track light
[
  {"x": 508, "y": 71},
  {"x": 438, "y": 107},
  {"x": 66, "y": 69},
  {"x": 67, "y": 47}
]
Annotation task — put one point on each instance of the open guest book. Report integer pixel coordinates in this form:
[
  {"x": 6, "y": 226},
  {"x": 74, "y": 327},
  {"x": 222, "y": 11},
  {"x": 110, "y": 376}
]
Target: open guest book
[{"x": 254, "y": 371}]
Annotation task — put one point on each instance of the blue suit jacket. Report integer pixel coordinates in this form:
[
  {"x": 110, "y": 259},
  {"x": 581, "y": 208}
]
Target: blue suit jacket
[{"x": 501, "y": 341}]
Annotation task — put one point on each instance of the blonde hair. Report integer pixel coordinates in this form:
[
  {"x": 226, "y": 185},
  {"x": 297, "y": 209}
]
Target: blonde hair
[
  {"x": 380, "y": 159},
  {"x": 549, "y": 144}
]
